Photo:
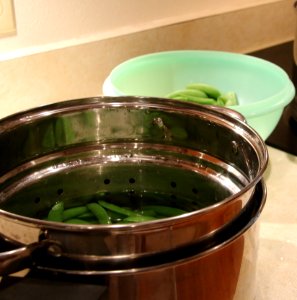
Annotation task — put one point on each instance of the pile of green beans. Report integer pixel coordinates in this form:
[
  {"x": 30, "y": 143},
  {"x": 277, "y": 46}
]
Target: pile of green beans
[
  {"x": 202, "y": 93},
  {"x": 102, "y": 212}
]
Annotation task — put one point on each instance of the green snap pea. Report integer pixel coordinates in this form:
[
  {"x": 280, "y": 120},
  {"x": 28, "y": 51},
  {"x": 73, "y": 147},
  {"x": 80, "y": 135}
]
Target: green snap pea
[
  {"x": 114, "y": 216},
  {"x": 198, "y": 100},
  {"x": 221, "y": 102},
  {"x": 99, "y": 212},
  {"x": 103, "y": 212},
  {"x": 136, "y": 219},
  {"x": 204, "y": 94},
  {"x": 165, "y": 210},
  {"x": 229, "y": 99},
  {"x": 209, "y": 90},
  {"x": 190, "y": 92},
  {"x": 117, "y": 209},
  {"x": 74, "y": 212},
  {"x": 56, "y": 212},
  {"x": 86, "y": 215}
]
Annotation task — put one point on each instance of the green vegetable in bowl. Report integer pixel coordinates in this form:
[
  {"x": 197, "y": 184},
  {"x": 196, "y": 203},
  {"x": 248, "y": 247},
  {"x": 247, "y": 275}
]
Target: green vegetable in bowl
[
  {"x": 56, "y": 212},
  {"x": 136, "y": 219},
  {"x": 115, "y": 208},
  {"x": 73, "y": 212},
  {"x": 209, "y": 90},
  {"x": 202, "y": 93},
  {"x": 99, "y": 212},
  {"x": 103, "y": 212},
  {"x": 165, "y": 210}
]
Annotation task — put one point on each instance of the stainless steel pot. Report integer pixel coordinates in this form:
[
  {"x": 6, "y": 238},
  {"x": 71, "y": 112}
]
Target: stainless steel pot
[{"x": 199, "y": 156}]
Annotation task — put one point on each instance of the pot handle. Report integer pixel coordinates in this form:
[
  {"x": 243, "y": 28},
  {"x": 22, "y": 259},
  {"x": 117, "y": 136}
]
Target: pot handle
[{"x": 18, "y": 259}]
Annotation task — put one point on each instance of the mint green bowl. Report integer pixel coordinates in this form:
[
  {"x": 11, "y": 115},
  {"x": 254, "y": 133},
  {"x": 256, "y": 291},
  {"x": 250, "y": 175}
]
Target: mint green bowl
[{"x": 263, "y": 89}]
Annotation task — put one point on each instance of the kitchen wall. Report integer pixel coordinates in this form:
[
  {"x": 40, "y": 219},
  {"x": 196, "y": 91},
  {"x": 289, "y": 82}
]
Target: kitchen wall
[
  {"x": 65, "y": 49},
  {"x": 46, "y": 25}
]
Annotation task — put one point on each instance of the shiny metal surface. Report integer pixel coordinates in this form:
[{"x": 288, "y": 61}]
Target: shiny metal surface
[
  {"x": 223, "y": 267},
  {"x": 67, "y": 150}
]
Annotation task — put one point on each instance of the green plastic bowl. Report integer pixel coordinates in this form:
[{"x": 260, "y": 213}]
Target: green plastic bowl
[{"x": 263, "y": 89}]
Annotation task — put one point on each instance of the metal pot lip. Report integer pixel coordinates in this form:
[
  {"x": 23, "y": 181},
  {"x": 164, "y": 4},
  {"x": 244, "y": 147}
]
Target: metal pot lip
[
  {"x": 231, "y": 118},
  {"x": 143, "y": 102},
  {"x": 234, "y": 120}
]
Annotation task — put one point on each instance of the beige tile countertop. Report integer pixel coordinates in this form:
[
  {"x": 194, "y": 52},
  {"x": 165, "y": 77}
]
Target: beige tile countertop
[{"x": 277, "y": 260}]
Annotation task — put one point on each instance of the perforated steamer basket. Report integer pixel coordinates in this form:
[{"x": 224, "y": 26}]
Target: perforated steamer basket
[{"x": 202, "y": 159}]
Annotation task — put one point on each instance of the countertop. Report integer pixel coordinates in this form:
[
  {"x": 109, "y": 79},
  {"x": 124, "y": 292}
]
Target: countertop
[{"x": 277, "y": 260}]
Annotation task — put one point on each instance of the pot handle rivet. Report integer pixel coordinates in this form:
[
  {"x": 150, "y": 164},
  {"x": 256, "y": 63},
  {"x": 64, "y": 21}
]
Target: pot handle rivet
[{"x": 54, "y": 249}]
